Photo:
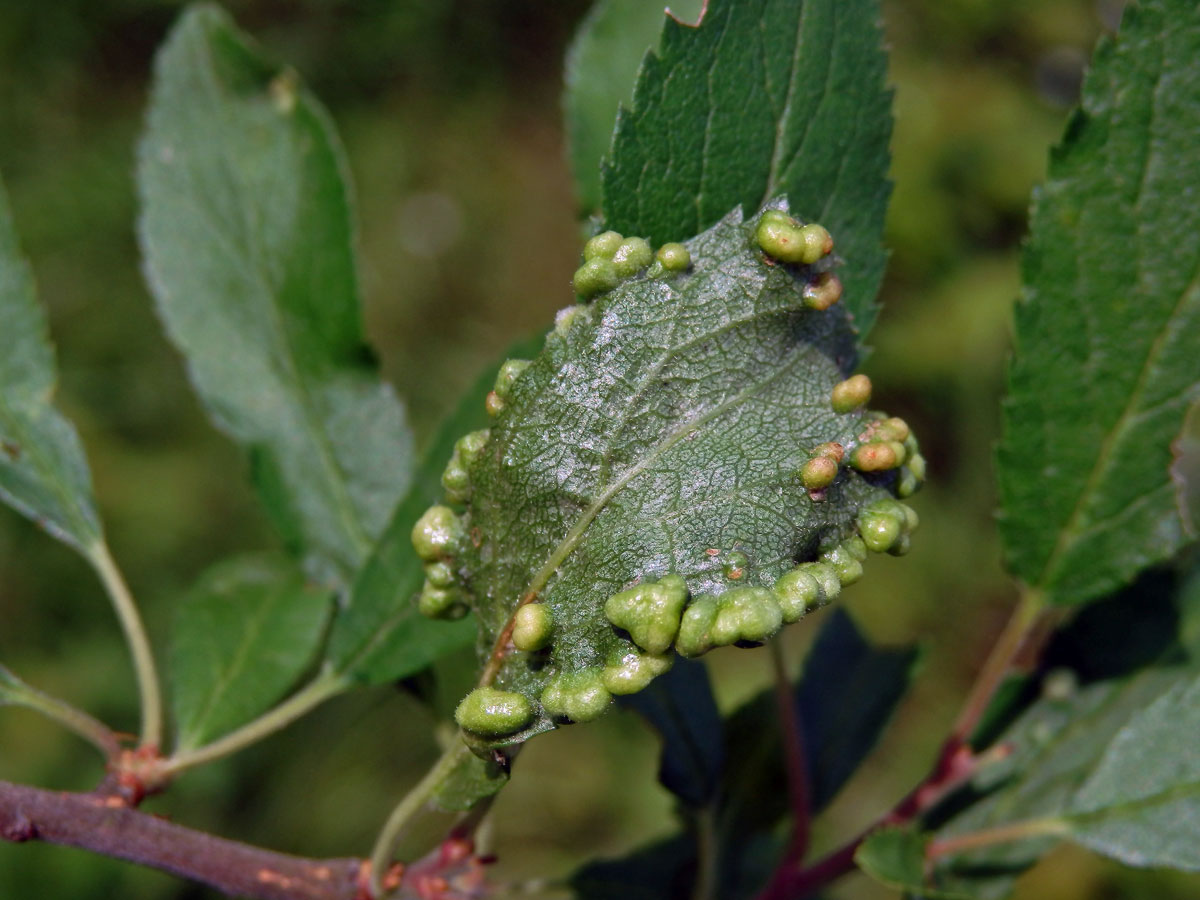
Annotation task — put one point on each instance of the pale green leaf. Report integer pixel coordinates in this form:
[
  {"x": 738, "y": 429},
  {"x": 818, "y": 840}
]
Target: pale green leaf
[
  {"x": 896, "y": 857},
  {"x": 243, "y": 636},
  {"x": 1106, "y": 362},
  {"x": 246, "y": 231},
  {"x": 43, "y": 472},
  {"x": 1185, "y": 470},
  {"x": 765, "y": 97}
]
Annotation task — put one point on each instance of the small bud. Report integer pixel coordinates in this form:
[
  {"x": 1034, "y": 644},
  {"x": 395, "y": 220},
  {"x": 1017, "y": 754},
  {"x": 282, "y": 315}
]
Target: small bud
[
  {"x": 490, "y": 712},
  {"x": 851, "y": 394},
  {"x": 674, "y": 257},
  {"x": 632, "y": 256},
  {"x": 595, "y": 277},
  {"x": 633, "y": 671},
  {"x": 822, "y": 293},
  {"x": 817, "y": 242},
  {"x": 873, "y": 457},
  {"x": 579, "y": 696},
  {"x": 819, "y": 472},
  {"x": 437, "y": 533},
  {"x": 533, "y": 625},
  {"x": 602, "y": 246},
  {"x": 510, "y": 371}
]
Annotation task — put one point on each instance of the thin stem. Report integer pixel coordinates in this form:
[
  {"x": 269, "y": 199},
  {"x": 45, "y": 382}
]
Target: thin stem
[
  {"x": 1002, "y": 834},
  {"x": 408, "y": 808},
  {"x": 316, "y": 692},
  {"x": 795, "y": 758},
  {"x": 1021, "y": 625},
  {"x": 15, "y": 691},
  {"x": 706, "y": 854},
  {"x": 135, "y": 636}
]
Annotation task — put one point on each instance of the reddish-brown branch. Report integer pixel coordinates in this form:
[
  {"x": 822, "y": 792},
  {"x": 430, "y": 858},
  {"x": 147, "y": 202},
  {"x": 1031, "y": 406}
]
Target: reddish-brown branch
[{"x": 106, "y": 825}]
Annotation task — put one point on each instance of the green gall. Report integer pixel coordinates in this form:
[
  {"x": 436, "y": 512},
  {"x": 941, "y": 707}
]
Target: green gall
[
  {"x": 533, "y": 625},
  {"x": 893, "y": 429},
  {"x": 907, "y": 484},
  {"x": 579, "y": 696},
  {"x": 831, "y": 449},
  {"x": 632, "y": 256},
  {"x": 745, "y": 615},
  {"x": 490, "y": 712},
  {"x": 471, "y": 444},
  {"x": 779, "y": 240},
  {"x": 822, "y": 292},
  {"x": 879, "y": 531},
  {"x": 819, "y": 472},
  {"x": 602, "y": 246},
  {"x": 493, "y": 404},
  {"x": 735, "y": 565},
  {"x": 650, "y": 612},
  {"x": 564, "y": 318},
  {"x": 827, "y": 580},
  {"x": 901, "y": 547},
  {"x": 848, "y": 568},
  {"x": 898, "y": 450},
  {"x": 851, "y": 394},
  {"x": 911, "y": 519},
  {"x": 633, "y": 671},
  {"x": 456, "y": 480},
  {"x": 437, "y": 533},
  {"x": 510, "y": 371},
  {"x": 855, "y": 547},
  {"x": 440, "y": 575},
  {"x": 916, "y": 465},
  {"x": 797, "y": 592},
  {"x": 674, "y": 257},
  {"x": 694, "y": 629},
  {"x": 816, "y": 241},
  {"x": 778, "y": 217},
  {"x": 874, "y": 457},
  {"x": 595, "y": 277},
  {"x": 441, "y": 603}
]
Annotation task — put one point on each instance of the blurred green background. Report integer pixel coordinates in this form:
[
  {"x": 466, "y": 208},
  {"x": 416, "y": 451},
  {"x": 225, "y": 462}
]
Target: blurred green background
[{"x": 449, "y": 110}]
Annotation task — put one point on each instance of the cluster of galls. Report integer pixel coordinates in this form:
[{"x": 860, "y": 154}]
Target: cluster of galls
[
  {"x": 787, "y": 240},
  {"x": 609, "y": 258}
]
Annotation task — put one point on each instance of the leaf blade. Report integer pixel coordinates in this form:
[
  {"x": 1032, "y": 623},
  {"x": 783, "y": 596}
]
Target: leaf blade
[
  {"x": 1104, "y": 369},
  {"x": 43, "y": 471},
  {"x": 764, "y": 98},
  {"x": 247, "y": 237}
]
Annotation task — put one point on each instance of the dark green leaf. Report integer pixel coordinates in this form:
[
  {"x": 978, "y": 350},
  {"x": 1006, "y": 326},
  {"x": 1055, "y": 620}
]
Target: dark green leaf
[
  {"x": 243, "y": 635},
  {"x": 896, "y": 857},
  {"x": 660, "y": 433},
  {"x": 471, "y": 780},
  {"x": 248, "y": 243},
  {"x": 1185, "y": 470},
  {"x": 664, "y": 869},
  {"x": 681, "y": 707},
  {"x": 601, "y": 66},
  {"x": 380, "y": 636},
  {"x": 766, "y": 97},
  {"x": 43, "y": 472},
  {"x": 1106, "y": 362}
]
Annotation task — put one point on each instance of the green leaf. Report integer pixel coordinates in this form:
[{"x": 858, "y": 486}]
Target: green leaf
[
  {"x": 244, "y": 634},
  {"x": 662, "y": 432},
  {"x": 1185, "y": 470},
  {"x": 1141, "y": 804},
  {"x": 662, "y": 869},
  {"x": 379, "y": 636},
  {"x": 765, "y": 97},
  {"x": 43, "y": 472},
  {"x": 248, "y": 242},
  {"x": 1105, "y": 365},
  {"x": 472, "y": 779},
  {"x": 681, "y": 707},
  {"x": 896, "y": 857},
  {"x": 602, "y": 63}
]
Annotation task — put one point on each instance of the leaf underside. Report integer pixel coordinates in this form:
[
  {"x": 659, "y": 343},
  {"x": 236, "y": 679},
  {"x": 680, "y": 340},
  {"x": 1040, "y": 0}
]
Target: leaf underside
[
  {"x": 764, "y": 98},
  {"x": 248, "y": 244},
  {"x": 43, "y": 472},
  {"x": 660, "y": 434},
  {"x": 1106, "y": 361}
]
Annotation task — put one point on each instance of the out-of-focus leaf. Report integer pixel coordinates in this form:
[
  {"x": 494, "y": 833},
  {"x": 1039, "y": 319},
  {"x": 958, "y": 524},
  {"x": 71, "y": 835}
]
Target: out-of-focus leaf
[
  {"x": 471, "y": 780},
  {"x": 379, "y": 636},
  {"x": 1106, "y": 363},
  {"x": 1185, "y": 470},
  {"x": 663, "y": 869},
  {"x": 660, "y": 433},
  {"x": 248, "y": 243},
  {"x": 896, "y": 857},
  {"x": 43, "y": 472},
  {"x": 681, "y": 708},
  {"x": 765, "y": 97},
  {"x": 243, "y": 635},
  {"x": 602, "y": 63},
  {"x": 1141, "y": 804}
]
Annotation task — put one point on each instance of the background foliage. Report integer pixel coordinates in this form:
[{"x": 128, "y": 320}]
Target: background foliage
[{"x": 449, "y": 110}]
